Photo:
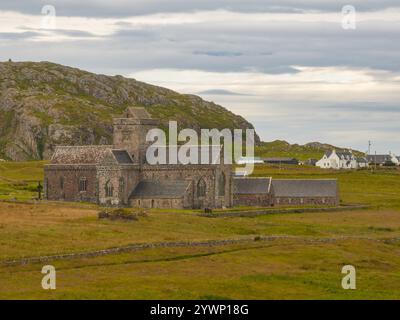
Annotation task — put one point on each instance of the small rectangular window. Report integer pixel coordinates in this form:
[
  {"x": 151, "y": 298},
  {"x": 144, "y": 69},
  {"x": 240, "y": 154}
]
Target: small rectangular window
[{"x": 82, "y": 184}]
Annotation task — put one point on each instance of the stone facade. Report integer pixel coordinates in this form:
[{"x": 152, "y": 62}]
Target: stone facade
[
  {"x": 252, "y": 192},
  {"x": 119, "y": 175},
  {"x": 305, "y": 192},
  {"x": 112, "y": 175}
]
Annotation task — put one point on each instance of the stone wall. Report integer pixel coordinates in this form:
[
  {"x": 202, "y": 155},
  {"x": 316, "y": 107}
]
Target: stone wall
[
  {"x": 158, "y": 203},
  {"x": 194, "y": 173},
  {"x": 122, "y": 179},
  {"x": 62, "y": 183},
  {"x": 260, "y": 200},
  {"x": 130, "y": 134},
  {"x": 286, "y": 201}
]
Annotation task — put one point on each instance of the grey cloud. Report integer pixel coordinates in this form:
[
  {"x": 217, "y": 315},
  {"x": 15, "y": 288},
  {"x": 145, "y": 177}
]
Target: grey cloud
[
  {"x": 271, "y": 47},
  {"x": 221, "y": 92},
  {"x": 74, "y": 33},
  {"x": 366, "y": 107},
  {"x": 123, "y": 8},
  {"x": 218, "y": 53},
  {"x": 18, "y": 35}
]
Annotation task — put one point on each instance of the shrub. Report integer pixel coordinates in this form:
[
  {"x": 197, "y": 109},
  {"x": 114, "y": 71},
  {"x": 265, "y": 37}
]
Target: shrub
[{"x": 122, "y": 213}]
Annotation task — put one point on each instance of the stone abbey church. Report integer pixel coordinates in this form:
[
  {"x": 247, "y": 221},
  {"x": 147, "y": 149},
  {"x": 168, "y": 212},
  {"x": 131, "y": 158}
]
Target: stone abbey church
[{"x": 119, "y": 175}]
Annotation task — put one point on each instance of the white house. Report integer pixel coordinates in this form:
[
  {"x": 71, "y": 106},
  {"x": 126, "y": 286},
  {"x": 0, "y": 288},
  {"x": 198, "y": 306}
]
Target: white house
[
  {"x": 338, "y": 160},
  {"x": 362, "y": 162}
]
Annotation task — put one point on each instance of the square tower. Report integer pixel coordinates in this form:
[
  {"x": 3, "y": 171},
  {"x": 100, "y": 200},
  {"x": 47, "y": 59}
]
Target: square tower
[{"x": 130, "y": 132}]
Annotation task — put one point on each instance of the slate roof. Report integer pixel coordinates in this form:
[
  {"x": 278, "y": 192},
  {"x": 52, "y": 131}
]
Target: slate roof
[
  {"x": 341, "y": 154},
  {"x": 122, "y": 156},
  {"x": 160, "y": 189},
  {"x": 304, "y": 188},
  {"x": 101, "y": 154},
  {"x": 279, "y": 159},
  {"x": 311, "y": 162},
  {"x": 80, "y": 154},
  {"x": 251, "y": 185},
  {"x": 379, "y": 158}
]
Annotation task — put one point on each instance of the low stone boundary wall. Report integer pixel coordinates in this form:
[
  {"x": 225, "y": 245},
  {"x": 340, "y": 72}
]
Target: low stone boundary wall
[
  {"x": 205, "y": 243},
  {"x": 137, "y": 247},
  {"x": 274, "y": 211}
]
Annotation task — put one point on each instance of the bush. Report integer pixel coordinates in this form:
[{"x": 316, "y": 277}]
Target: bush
[{"x": 122, "y": 213}]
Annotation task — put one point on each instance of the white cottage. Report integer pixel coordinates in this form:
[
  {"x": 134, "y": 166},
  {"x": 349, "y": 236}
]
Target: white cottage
[{"x": 338, "y": 160}]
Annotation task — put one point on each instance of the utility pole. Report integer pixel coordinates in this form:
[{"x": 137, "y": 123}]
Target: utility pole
[{"x": 369, "y": 147}]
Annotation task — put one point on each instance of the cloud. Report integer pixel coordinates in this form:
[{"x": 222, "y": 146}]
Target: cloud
[
  {"x": 18, "y": 35},
  {"x": 342, "y": 106},
  {"x": 125, "y": 8},
  {"x": 222, "y": 92},
  {"x": 218, "y": 53},
  {"x": 291, "y": 69}
]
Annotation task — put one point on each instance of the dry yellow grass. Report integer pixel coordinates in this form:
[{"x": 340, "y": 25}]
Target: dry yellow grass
[{"x": 289, "y": 268}]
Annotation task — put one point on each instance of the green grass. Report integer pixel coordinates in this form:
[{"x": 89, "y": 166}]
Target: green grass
[
  {"x": 282, "y": 270},
  {"x": 380, "y": 187},
  {"x": 19, "y": 180},
  {"x": 288, "y": 268}
]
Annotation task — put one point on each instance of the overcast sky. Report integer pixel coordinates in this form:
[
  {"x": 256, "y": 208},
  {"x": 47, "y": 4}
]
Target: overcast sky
[{"x": 289, "y": 67}]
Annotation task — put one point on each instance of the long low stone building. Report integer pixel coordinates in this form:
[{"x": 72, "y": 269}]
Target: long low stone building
[
  {"x": 305, "y": 192},
  {"x": 252, "y": 192},
  {"x": 277, "y": 192}
]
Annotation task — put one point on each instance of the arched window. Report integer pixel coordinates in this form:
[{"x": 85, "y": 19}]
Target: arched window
[
  {"x": 201, "y": 188},
  {"x": 62, "y": 183},
  {"x": 121, "y": 186},
  {"x": 221, "y": 184},
  {"x": 109, "y": 189},
  {"x": 82, "y": 184}
]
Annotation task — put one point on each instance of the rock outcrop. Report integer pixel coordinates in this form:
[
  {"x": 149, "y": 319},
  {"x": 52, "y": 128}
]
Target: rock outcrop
[{"x": 43, "y": 104}]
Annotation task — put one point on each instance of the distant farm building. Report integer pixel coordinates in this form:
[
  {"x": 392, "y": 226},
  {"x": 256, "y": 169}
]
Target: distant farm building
[
  {"x": 281, "y": 160},
  {"x": 250, "y": 160},
  {"x": 310, "y": 162},
  {"x": 383, "y": 159}
]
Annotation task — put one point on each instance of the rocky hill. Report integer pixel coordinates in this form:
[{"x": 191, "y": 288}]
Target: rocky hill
[
  {"x": 312, "y": 150},
  {"x": 45, "y": 104}
]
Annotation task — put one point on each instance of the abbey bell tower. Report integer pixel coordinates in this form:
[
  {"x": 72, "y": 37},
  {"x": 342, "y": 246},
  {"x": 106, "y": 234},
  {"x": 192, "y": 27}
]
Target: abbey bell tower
[{"x": 130, "y": 132}]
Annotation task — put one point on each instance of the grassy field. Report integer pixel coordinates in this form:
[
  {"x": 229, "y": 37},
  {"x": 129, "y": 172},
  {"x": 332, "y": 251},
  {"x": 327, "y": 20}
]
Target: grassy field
[
  {"x": 19, "y": 180},
  {"x": 304, "y": 264}
]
